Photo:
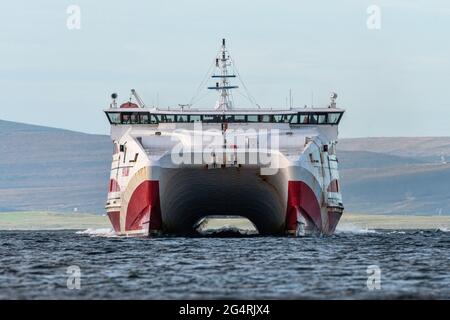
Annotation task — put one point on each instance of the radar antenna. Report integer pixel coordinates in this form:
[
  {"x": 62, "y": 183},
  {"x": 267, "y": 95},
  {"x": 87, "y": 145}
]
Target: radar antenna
[{"x": 333, "y": 98}]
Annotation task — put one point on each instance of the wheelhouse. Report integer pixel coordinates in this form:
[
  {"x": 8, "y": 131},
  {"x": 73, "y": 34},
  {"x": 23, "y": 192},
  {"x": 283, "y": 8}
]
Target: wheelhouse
[{"x": 297, "y": 118}]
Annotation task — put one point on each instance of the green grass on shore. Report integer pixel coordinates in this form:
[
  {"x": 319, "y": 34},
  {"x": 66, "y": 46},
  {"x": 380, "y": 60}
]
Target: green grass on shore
[
  {"x": 396, "y": 222},
  {"x": 51, "y": 221},
  {"x": 55, "y": 221}
]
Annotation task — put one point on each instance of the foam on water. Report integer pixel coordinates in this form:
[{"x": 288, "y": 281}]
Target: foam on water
[
  {"x": 351, "y": 228},
  {"x": 397, "y": 232},
  {"x": 226, "y": 229},
  {"x": 101, "y": 232}
]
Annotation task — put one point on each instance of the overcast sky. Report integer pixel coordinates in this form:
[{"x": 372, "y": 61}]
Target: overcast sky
[{"x": 393, "y": 81}]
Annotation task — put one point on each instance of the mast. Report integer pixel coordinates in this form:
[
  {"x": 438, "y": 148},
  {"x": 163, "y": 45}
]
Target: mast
[{"x": 223, "y": 61}]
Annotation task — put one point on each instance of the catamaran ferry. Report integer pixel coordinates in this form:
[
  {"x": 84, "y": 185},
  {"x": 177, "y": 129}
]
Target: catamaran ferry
[{"x": 173, "y": 167}]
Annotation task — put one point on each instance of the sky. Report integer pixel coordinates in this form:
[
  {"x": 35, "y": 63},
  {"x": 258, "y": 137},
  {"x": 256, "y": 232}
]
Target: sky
[{"x": 393, "y": 80}]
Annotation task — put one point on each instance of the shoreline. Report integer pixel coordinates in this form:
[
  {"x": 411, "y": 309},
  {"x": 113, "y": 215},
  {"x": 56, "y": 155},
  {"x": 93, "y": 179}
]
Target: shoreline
[
  {"x": 38, "y": 220},
  {"x": 82, "y": 221},
  {"x": 394, "y": 222}
]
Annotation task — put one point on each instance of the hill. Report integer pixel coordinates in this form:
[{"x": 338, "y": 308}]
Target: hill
[
  {"x": 396, "y": 175},
  {"x": 58, "y": 170},
  {"x": 52, "y": 169}
]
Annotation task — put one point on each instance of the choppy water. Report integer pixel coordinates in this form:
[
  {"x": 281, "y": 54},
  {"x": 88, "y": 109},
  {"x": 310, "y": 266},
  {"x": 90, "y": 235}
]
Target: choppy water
[{"x": 413, "y": 264}]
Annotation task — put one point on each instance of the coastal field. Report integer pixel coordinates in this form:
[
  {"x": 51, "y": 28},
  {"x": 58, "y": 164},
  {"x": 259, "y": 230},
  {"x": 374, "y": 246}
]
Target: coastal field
[
  {"x": 77, "y": 221},
  {"x": 395, "y": 222},
  {"x": 51, "y": 221}
]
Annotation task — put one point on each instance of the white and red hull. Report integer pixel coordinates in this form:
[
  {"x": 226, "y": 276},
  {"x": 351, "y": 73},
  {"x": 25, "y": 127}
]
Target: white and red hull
[{"x": 149, "y": 193}]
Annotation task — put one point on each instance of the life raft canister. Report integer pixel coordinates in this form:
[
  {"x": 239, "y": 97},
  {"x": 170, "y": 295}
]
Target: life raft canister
[{"x": 129, "y": 105}]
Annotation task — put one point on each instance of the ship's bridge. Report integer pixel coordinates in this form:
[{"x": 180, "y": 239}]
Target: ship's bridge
[{"x": 305, "y": 116}]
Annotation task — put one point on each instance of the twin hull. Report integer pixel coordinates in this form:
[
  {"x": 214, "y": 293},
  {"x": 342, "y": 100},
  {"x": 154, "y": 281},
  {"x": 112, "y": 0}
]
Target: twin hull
[{"x": 150, "y": 192}]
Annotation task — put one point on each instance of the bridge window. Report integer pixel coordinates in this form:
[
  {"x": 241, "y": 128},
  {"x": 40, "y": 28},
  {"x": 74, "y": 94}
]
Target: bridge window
[
  {"x": 229, "y": 118},
  {"x": 317, "y": 118},
  {"x": 294, "y": 119},
  {"x": 322, "y": 119},
  {"x": 130, "y": 118},
  {"x": 125, "y": 118},
  {"x": 283, "y": 118},
  {"x": 212, "y": 118},
  {"x": 266, "y": 118},
  {"x": 144, "y": 118},
  {"x": 312, "y": 119},
  {"x": 195, "y": 118},
  {"x": 167, "y": 118},
  {"x": 252, "y": 118},
  {"x": 134, "y": 118},
  {"x": 154, "y": 119},
  {"x": 182, "y": 118},
  {"x": 333, "y": 118},
  {"x": 114, "y": 117}
]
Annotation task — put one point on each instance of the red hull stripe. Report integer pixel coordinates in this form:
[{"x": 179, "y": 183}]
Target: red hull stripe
[
  {"x": 114, "y": 217},
  {"x": 302, "y": 200},
  {"x": 144, "y": 206},
  {"x": 333, "y": 219}
]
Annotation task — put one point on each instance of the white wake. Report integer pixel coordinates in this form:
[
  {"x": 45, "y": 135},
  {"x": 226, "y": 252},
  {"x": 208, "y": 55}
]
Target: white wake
[
  {"x": 351, "y": 228},
  {"x": 100, "y": 232}
]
